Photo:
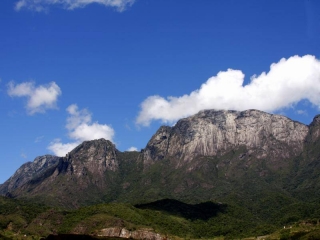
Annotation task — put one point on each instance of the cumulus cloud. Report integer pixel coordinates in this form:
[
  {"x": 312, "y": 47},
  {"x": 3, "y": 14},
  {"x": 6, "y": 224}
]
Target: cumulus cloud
[
  {"x": 287, "y": 82},
  {"x": 132, "y": 149},
  {"x": 61, "y": 149},
  {"x": 43, "y": 5},
  {"x": 39, "y": 98},
  {"x": 80, "y": 128}
]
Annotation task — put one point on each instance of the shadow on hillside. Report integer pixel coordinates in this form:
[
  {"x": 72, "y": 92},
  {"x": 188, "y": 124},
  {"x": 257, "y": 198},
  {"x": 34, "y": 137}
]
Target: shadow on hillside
[{"x": 201, "y": 211}]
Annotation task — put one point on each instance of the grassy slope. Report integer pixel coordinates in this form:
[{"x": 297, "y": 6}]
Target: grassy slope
[{"x": 169, "y": 217}]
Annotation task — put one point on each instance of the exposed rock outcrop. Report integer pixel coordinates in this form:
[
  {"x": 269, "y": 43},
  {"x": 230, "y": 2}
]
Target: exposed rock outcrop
[
  {"x": 211, "y": 133},
  {"x": 143, "y": 234},
  {"x": 314, "y": 132},
  {"x": 96, "y": 156}
]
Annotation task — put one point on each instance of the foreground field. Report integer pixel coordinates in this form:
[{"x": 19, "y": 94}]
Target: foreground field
[{"x": 165, "y": 218}]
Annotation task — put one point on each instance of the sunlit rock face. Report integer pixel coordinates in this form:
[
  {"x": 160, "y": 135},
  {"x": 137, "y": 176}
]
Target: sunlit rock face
[
  {"x": 90, "y": 162},
  {"x": 211, "y": 133}
]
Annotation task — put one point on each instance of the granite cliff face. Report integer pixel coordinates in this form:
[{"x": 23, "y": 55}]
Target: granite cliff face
[
  {"x": 211, "y": 133},
  {"x": 95, "y": 157}
]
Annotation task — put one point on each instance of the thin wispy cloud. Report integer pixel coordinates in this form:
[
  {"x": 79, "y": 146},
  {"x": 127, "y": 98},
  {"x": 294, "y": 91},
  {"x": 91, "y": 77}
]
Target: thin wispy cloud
[
  {"x": 39, "y": 98},
  {"x": 44, "y": 5},
  {"x": 302, "y": 112},
  {"x": 80, "y": 128},
  {"x": 287, "y": 82},
  {"x": 39, "y": 139}
]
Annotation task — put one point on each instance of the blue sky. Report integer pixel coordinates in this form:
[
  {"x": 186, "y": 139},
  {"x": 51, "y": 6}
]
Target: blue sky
[{"x": 76, "y": 70}]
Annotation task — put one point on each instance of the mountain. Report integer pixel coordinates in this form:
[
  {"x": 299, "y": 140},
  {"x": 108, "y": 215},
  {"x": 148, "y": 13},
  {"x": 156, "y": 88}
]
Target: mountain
[
  {"x": 82, "y": 177},
  {"x": 259, "y": 161},
  {"x": 29, "y": 171}
]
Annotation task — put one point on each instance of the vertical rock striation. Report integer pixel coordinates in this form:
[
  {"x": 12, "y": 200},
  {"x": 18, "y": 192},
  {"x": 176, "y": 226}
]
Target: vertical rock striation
[
  {"x": 96, "y": 156},
  {"x": 211, "y": 133}
]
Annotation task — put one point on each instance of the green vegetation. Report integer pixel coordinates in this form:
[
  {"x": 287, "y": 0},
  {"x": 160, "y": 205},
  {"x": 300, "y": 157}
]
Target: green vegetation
[
  {"x": 241, "y": 202},
  {"x": 209, "y": 220}
]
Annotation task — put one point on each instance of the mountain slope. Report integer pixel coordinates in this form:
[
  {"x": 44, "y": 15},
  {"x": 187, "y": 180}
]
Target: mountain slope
[
  {"x": 84, "y": 176},
  {"x": 305, "y": 179},
  {"x": 29, "y": 171}
]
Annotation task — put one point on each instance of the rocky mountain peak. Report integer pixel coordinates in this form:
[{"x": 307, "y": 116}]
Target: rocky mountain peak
[
  {"x": 214, "y": 132},
  {"x": 314, "y": 132},
  {"x": 316, "y": 121},
  {"x": 93, "y": 150},
  {"x": 95, "y": 156}
]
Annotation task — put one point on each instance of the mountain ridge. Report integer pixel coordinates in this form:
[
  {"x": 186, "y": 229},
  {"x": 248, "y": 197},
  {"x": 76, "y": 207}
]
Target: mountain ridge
[{"x": 212, "y": 155}]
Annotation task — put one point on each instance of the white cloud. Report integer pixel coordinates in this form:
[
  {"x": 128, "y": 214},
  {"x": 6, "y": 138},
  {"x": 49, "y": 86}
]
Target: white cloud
[
  {"x": 61, "y": 149},
  {"x": 40, "y": 98},
  {"x": 80, "y": 128},
  {"x": 43, "y": 5},
  {"x": 132, "y": 149},
  {"x": 94, "y": 131},
  {"x": 287, "y": 82},
  {"x": 76, "y": 117}
]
